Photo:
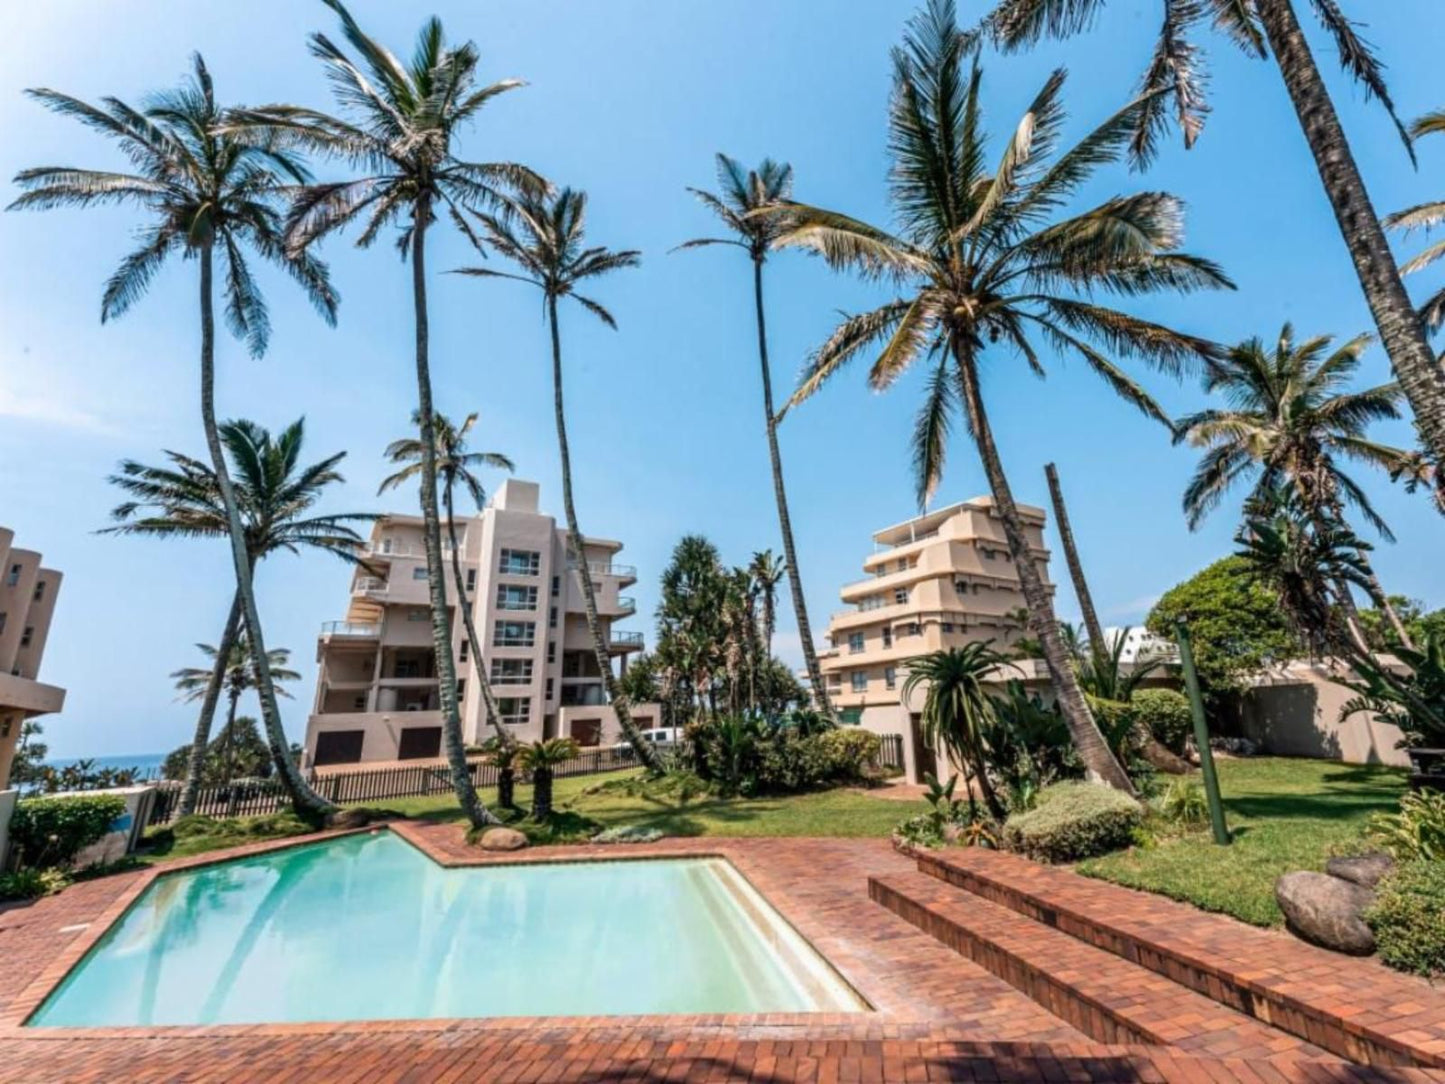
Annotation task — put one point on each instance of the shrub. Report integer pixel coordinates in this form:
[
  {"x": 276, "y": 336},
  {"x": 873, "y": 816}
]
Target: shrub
[
  {"x": 50, "y": 832},
  {"x": 1416, "y": 833},
  {"x": 1073, "y": 821},
  {"x": 1166, "y": 713},
  {"x": 27, "y": 884},
  {"x": 850, "y": 753},
  {"x": 1185, "y": 802},
  {"x": 1408, "y": 918}
]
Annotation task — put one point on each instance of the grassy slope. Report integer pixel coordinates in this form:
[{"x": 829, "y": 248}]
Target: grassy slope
[{"x": 1284, "y": 814}]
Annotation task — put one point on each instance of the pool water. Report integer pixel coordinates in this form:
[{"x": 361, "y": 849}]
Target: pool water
[{"x": 367, "y": 927}]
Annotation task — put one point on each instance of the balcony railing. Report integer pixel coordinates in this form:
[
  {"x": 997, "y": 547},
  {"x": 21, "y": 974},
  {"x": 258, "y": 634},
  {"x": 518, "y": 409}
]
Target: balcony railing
[
  {"x": 629, "y": 638},
  {"x": 352, "y": 629},
  {"x": 626, "y": 604},
  {"x": 386, "y": 548},
  {"x": 607, "y": 568},
  {"x": 369, "y": 585}
]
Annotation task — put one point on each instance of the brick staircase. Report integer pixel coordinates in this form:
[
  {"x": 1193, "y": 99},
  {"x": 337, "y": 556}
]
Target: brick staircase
[{"x": 1129, "y": 967}]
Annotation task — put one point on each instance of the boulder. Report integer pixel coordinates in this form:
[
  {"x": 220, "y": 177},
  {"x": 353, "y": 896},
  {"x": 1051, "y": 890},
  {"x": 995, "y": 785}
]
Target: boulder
[
  {"x": 502, "y": 839},
  {"x": 352, "y": 817},
  {"x": 1326, "y": 910},
  {"x": 1364, "y": 869}
]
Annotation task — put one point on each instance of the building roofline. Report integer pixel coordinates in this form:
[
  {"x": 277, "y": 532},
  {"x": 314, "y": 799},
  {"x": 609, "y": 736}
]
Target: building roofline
[{"x": 940, "y": 515}]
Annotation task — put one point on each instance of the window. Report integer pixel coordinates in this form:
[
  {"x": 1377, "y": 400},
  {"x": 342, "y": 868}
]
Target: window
[
  {"x": 3, "y": 618},
  {"x": 947, "y": 626},
  {"x": 556, "y": 585},
  {"x": 890, "y": 677},
  {"x": 511, "y": 671},
  {"x": 858, "y": 679},
  {"x": 418, "y": 615},
  {"x": 851, "y": 716},
  {"x": 471, "y": 579},
  {"x": 419, "y": 572},
  {"x": 14, "y": 577},
  {"x": 514, "y": 597},
  {"x": 515, "y": 710},
  {"x": 39, "y": 590},
  {"x": 551, "y": 650},
  {"x": 514, "y": 634},
  {"x": 855, "y": 642},
  {"x": 521, "y": 562},
  {"x": 461, "y": 690},
  {"x": 549, "y": 688},
  {"x": 887, "y": 636},
  {"x": 5, "y": 726},
  {"x": 900, "y": 595},
  {"x": 903, "y": 564},
  {"x": 552, "y": 618},
  {"x": 912, "y": 628},
  {"x": 465, "y": 651}
]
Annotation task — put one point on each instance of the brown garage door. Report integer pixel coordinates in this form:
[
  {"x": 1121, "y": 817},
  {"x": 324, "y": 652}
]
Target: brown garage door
[
  {"x": 338, "y": 747},
  {"x": 587, "y": 731},
  {"x": 420, "y": 743}
]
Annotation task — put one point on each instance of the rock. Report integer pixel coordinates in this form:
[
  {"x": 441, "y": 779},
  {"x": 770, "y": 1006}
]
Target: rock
[
  {"x": 1326, "y": 910},
  {"x": 502, "y": 839},
  {"x": 349, "y": 818},
  {"x": 1366, "y": 870}
]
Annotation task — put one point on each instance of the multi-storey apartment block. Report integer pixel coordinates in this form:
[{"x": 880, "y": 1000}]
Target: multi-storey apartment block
[
  {"x": 27, "y": 602},
  {"x": 936, "y": 581},
  {"x": 377, "y": 693}
]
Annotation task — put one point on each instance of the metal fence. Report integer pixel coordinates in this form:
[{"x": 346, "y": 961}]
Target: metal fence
[{"x": 890, "y": 753}]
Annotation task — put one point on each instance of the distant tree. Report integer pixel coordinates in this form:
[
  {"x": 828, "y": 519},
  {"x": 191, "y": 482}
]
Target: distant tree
[
  {"x": 238, "y": 677},
  {"x": 238, "y": 752},
  {"x": 1420, "y": 624},
  {"x": 30, "y": 751}
]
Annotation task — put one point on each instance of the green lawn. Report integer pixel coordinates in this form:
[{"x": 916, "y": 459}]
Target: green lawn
[{"x": 1284, "y": 814}]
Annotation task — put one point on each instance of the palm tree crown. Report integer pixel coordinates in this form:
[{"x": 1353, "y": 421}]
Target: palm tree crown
[
  {"x": 1425, "y": 216},
  {"x": 742, "y": 196},
  {"x": 240, "y": 672},
  {"x": 455, "y": 464}
]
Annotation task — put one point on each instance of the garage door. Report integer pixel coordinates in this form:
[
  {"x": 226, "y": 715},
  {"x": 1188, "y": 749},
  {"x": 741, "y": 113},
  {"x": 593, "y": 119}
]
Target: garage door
[
  {"x": 587, "y": 731},
  {"x": 420, "y": 743},
  {"x": 338, "y": 747}
]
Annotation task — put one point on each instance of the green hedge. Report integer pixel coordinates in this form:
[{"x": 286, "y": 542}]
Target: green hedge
[
  {"x": 1408, "y": 918},
  {"x": 1072, "y": 821},
  {"x": 1166, "y": 714},
  {"x": 49, "y": 832}
]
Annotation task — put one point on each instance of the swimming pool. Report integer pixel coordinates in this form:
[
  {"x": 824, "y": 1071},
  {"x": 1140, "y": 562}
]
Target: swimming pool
[{"x": 367, "y": 927}]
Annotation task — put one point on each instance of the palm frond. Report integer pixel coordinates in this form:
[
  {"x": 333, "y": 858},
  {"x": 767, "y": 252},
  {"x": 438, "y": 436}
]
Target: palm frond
[{"x": 1358, "y": 58}]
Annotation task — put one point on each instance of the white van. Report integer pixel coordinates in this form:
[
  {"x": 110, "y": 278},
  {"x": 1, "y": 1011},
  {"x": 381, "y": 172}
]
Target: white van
[{"x": 662, "y": 736}]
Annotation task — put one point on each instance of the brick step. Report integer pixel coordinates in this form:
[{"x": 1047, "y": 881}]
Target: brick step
[
  {"x": 1105, "y": 997},
  {"x": 1356, "y": 1009}
]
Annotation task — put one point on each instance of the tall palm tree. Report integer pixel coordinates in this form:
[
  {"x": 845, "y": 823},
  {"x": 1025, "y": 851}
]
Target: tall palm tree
[
  {"x": 1290, "y": 421},
  {"x": 742, "y": 197},
  {"x": 978, "y": 263},
  {"x": 767, "y": 571},
  {"x": 276, "y": 496},
  {"x": 238, "y": 676},
  {"x": 1261, "y": 27},
  {"x": 544, "y": 236},
  {"x": 403, "y": 123},
  {"x": 1425, "y": 216},
  {"x": 1097, "y": 647},
  {"x": 206, "y": 191},
  {"x": 456, "y": 465}
]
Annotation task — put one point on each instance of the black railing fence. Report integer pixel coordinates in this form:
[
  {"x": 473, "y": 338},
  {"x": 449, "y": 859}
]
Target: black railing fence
[{"x": 890, "y": 754}]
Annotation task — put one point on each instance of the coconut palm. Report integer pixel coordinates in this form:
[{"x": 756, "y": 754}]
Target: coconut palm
[
  {"x": 238, "y": 675},
  {"x": 983, "y": 260},
  {"x": 1291, "y": 420},
  {"x": 207, "y": 193},
  {"x": 1261, "y": 27},
  {"x": 544, "y": 236},
  {"x": 456, "y": 465},
  {"x": 742, "y": 196},
  {"x": 1425, "y": 216},
  {"x": 276, "y": 495},
  {"x": 400, "y": 127},
  {"x": 767, "y": 571}
]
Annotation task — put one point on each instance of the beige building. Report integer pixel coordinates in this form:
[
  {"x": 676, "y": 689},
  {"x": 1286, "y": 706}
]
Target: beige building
[
  {"x": 937, "y": 581},
  {"x": 377, "y": 694},
  {"x": 27, "y": 602}
]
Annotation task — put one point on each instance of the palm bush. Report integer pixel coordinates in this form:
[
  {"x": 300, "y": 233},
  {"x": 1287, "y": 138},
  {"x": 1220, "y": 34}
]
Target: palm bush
[
  {"x": 539, "y": 760},
  {"x": 503, "y": 754}
]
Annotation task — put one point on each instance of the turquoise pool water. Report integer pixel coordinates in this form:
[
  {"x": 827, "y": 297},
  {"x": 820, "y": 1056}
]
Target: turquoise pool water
[{"x": 368, "y": 928}]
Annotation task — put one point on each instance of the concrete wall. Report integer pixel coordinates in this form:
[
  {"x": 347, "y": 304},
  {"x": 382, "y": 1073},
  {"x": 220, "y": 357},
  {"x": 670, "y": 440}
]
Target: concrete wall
[
  {"x": 7, "y": 807},
  {"x": 1297, "y": 713}
]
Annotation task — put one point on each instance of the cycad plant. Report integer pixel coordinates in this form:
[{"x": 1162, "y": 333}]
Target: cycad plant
[
  {"x": 399, "y": 127},
  {"x": 456, "y": 465},
  {"x": 545, "y": 238},
  {"x": 985, "y": 266},
  {"x": 208, "y": 194},
  {"x": 540, "y": 760}
]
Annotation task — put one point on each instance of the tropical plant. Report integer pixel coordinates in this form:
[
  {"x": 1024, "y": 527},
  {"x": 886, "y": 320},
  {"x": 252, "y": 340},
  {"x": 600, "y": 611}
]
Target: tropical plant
[
  {"x": 1413, "y": 701},
  {"x": 238, "y": 753},
  {"x": 1071, "y": 821},
  {"x": 455, "y": 464},
  {"x": 544, "y": 236},
  {"x": 1408, "y": 918},
  {"x": 400, "y": 127},
  {"x": 1105, "y": 675},
  {"x": 503, "y": 753},
  {"x": 739, "y": 205},
  {"x": 1291, "y": 421},
  {"x": 50, "y": 832},
  {"x": 766, "y": 571},
  {"x": 1028, "y": 744},
  {"x": 276, "y": 496},
  {"x": 1424, "y": 216},
  {"x": 539, "y": 760},
  {"x": 980, "y": 263},
  {"x": 1416, "y": 833},
  {"x": 1176, "y": 77},
  {"x": 238, "y": 677},
  {"x": 206, "y": 191}
]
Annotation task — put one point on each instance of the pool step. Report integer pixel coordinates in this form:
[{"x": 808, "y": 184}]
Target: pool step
[{"x": 1105, "y": 997}]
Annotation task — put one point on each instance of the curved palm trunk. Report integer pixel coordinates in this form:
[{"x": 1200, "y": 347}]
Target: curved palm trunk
[
  {"x": 202, "y": 737},
  {"x": 1098, "y": 759},
  {"x": 494, "y": 716},
  {"x": 307, "y": 801},
  {"x": 228, "y": 736},
  {"x": 441, "y": 625},
  {"x": 1382, "y": 601},
  {"x": 785, "y": 523},
  {"x": 646, "y": 754},
  {"x": 1401, "y": 330}
]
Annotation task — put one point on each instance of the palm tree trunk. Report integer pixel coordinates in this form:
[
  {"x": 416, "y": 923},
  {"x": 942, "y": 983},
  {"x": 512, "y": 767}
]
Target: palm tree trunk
[
  {"x": 1098, "y": 759},
  {"x": 1401, "y": 330},
  {"x": 228, "y": 736},
  {"x": 646, "y": 754},
  {"x": 1382, "y": 601},
  {"x": 441, "y": 625},
  {"x": 306, "y": 801},
  {"x": 202, "y": 737},
  {"x": 780, "y": 495},
  {"x": 494, "y": 715}
]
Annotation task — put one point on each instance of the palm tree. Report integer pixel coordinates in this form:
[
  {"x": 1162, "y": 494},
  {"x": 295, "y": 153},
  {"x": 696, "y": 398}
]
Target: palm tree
[
  {"x": 544, "y": 236},
  {"x": 1290, "y": 421},
  {"x": 456, "y": 464},
  {"x": 1260, "y": 27},
  {"x": 206, "y": 190},
  {"x": 405, "y": 120},
  {"x": 276, "y": 496},
  {"x": 1092, "y": 626},
  {"x": 1425, "y": 216},
  {"x": 978, "y": 264},
  {"x": 766, "y": 571},
  {"x": 239, "y": 677},
  {"x": 539, "y": 760},
  {"x": 742, "y": 197},
  {"x": 958, "y": 711}
]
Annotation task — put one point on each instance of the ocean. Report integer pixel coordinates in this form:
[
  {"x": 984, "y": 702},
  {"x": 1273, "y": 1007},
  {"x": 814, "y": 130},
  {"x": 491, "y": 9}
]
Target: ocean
[{"x": 148, "y": 764}]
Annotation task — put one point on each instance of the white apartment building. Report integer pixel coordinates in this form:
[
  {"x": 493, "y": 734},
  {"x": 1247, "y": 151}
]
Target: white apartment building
[
  {"x": 377, "y": 694},
  {"x": 1140, "y": 645}
]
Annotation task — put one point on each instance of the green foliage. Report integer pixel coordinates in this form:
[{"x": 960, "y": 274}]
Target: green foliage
[
  {"x": 1106, "y": 676},
  {"x": 50, "y": 832},
  {"x": 750, "y": 755},
  {"x": 1419, "y": 623},
  {"x": 1408, "y": 918},
  {"x": 1167, "y": 715},
  {"x": 1072, "y": 821},
  {"x": 28, "y": 884},
  {"x": 238, "y": 752},
  {"x": 1235, "y": 624},
  {"x": 82, "y": 775},
  {"x": 28, "y": 764},
  {"x": 1028, "y": 744},
  {"x": 1184, "y": 802},
  {"x": 1416, "y": 832},
  {"x": 198, "y": 833},
  {"x": 849, "y": 753},
  {"x": 1414, "y": 701},
  {"x": 947, "y": 820}
]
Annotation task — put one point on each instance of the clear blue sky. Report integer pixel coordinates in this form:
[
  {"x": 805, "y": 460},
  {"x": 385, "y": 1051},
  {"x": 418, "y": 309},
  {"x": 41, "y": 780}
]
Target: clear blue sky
[{"x": 629, "y": 100}]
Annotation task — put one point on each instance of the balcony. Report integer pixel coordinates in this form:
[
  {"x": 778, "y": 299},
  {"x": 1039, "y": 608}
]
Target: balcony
[
  {"x": 626, "y": 606},
  {"x": 349, "y": 630},
  {"x": 388, "y": 548},
  {"x": 369, "y": 585},
  {"x": 624, "y": 573},
  {"x": 625, "y": 641}
]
